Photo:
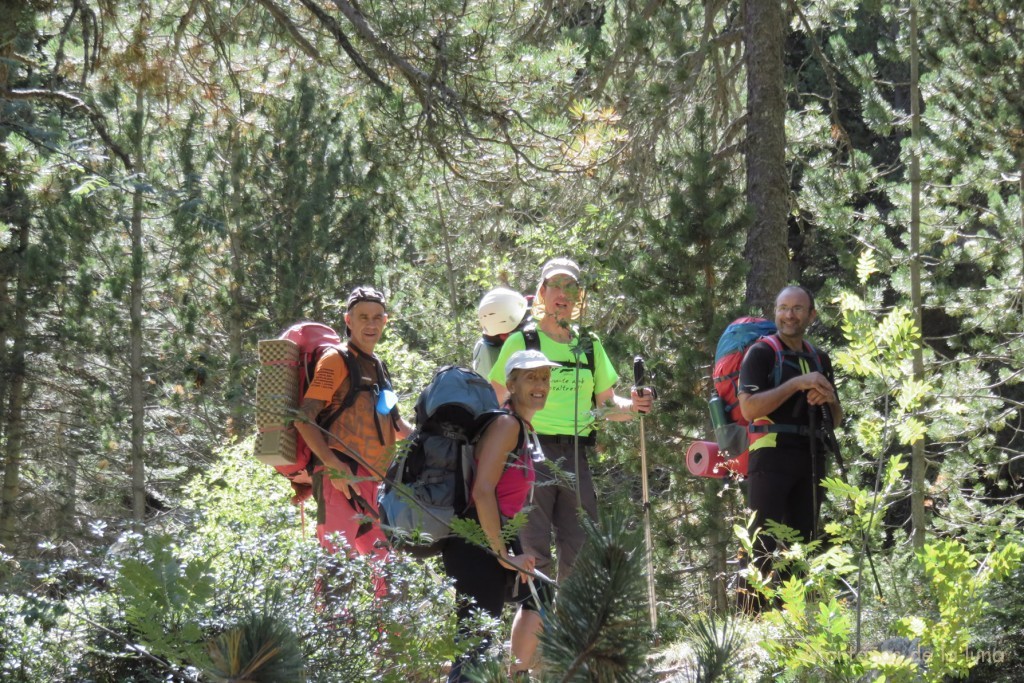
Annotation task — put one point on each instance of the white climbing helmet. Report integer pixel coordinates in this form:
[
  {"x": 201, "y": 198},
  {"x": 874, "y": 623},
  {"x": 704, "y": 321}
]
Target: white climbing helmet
[{"x": 500, "y": 311}]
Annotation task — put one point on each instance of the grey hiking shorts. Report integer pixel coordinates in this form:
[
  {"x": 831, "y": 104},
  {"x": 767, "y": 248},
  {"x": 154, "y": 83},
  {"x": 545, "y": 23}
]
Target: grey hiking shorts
[{"x": 554, "y": 515}]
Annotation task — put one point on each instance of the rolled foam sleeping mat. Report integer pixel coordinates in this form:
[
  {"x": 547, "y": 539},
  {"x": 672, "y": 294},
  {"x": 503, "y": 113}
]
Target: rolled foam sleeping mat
[{"x": 704, "y": 459}]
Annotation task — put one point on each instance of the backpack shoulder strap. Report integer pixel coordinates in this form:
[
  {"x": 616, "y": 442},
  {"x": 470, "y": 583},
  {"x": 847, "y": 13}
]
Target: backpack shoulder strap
[
  {"x": 775, "y": 344},
  {"x": 325, "y": 420},
  {"x": 813, "y": 352},
  {"x": 355, "y": 375},
  {"x": 384, "y": 377},
  {"x": 523, "y": 431},
  {"x": 531, "y": 338},
  {"x": 587, "y": 343},
  {"x": 781, "y": 350}
]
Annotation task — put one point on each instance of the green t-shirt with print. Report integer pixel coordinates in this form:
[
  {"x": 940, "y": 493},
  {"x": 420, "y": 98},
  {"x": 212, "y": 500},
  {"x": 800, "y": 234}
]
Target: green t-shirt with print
[{"x": 557, "y": 415}]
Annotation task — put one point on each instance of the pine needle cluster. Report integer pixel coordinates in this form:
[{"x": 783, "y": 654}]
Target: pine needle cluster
[{"x": 599, "y": 629}]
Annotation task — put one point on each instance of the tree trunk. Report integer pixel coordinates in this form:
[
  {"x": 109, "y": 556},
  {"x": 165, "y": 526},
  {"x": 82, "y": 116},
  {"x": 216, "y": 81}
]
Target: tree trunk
[
  {"x": 14, "y": 213},
  {"x": 236, "y": 315},
  {"x": 719, "y": 539},
  {"x": 66, "y": 514},
  {"x": 136, "y": 337},
  {"x": 918, "y": 462},
  {"x": 15, "y": 426},
  {"x": 767, "y": 187},
  {"x": 1020, "y": 199},
  {"x": 719, "y": 536}
]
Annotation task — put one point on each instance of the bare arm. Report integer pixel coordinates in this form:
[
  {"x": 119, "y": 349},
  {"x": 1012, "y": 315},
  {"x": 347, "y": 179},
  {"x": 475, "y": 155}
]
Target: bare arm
[
  {"x": 404, "y": 429},
  {"x": 500, "y": 439},
  {"x": 820, "y": 391},
  {"x": 314, "y": 438},
  {"x": 636, "y": 403}
]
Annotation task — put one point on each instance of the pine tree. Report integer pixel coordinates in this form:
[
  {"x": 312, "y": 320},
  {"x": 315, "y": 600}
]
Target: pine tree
[{"x": 685, "y": 279}]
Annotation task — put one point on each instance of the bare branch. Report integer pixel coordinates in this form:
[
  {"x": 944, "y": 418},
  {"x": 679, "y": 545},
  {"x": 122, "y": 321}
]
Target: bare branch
[
  {"x": 332, "y": 25},
  {"x": 426, "y": 88},
  {"x": 613, "y": 61}
]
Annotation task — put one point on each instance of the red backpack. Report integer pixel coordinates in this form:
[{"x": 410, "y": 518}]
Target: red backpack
[
  {"x": 287, "y": 366},
  {"x": 732, "y": 431}
]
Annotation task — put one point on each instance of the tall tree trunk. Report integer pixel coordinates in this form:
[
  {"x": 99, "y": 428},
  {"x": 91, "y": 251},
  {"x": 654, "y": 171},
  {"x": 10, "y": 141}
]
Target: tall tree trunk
[
  {"x": 66, "y": 514},
  {"x": 767, "y": 186},
  {"x": 138, "y": 257},
  {"x": 14, "y": 212},
  {"x": 236, "y": 314},
  {"x": 15, "y": 426},
  {"x": 1020, "y": 199},
  {"x": 719, "y": 537},
  {"x": 918, "y": 462}
]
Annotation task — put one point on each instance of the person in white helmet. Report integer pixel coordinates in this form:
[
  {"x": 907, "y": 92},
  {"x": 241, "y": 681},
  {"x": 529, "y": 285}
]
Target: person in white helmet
[{"x": 501, "y": 312}]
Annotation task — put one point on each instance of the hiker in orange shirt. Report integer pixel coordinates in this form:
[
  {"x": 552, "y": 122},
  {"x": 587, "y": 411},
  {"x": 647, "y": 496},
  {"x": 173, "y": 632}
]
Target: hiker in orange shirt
[{"x": 362, "y": 435}]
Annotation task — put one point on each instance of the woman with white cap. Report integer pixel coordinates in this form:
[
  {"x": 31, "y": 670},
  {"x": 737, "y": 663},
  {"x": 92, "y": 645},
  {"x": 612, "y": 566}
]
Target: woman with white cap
[{"x": 503, "y": 482}]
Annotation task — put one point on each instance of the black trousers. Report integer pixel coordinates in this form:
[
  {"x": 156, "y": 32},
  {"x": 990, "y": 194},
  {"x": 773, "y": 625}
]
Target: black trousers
[
  {"x": 480, "y": 582},
  {"x": 793, "y": 499}
]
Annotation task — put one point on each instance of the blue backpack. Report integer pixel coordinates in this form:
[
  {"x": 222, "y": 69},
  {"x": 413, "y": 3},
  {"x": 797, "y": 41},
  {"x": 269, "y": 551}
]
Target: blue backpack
[{"x": 428, "y": 484}]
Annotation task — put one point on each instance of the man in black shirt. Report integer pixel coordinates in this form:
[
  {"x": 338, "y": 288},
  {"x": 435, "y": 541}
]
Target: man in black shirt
[{"x": 785, "y": 472}]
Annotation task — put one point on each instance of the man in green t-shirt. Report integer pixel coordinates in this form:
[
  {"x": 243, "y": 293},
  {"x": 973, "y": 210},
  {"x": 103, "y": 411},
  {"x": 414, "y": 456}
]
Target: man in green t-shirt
[{"x": 585, "y": 379}]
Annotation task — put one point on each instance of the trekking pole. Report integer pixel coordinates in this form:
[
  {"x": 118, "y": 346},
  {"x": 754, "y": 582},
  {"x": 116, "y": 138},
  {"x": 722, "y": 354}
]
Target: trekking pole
[
  {"x": 812, "y": 420},
  {"x": 638, "y": 380},
  {"x": 577, "y": 351}
]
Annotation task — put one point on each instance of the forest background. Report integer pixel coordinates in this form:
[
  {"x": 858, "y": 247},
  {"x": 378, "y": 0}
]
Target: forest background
[{"x": 183, "y": 178}]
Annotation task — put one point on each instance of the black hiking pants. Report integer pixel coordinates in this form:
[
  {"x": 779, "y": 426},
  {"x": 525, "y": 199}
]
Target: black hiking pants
[{"x": 480, "y": 583}]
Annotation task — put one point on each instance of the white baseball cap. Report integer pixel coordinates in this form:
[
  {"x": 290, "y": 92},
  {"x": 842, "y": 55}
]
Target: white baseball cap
[
  {"x": 528, "y": 359},
  {"x": 560, "y": 266}
]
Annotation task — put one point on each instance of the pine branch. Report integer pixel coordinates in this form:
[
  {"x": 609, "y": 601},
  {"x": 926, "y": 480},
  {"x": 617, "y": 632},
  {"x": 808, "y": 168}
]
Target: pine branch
[
  {"x": 97, "y": 119},
  {"x": 288, "y": 25},
  {"x": 598, "y": 630}
]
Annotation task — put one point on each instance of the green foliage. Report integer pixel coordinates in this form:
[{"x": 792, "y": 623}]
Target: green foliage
[
  {"x": 864, "y": 508},
  {"x": 33, "y": 647},
  {"x": 345, "y": 633},
  {"x": 817, "y": 634},
  {"x": 163, "y": 598},
  {"x": 956, "y": 580},
  {"x": 262, "y": 649},
  {"x": 471, "y": 530},
  {"x": 276, "y": 172},
  {"x": 716, "y": 642},
  {"x": 599, "y": 630}
]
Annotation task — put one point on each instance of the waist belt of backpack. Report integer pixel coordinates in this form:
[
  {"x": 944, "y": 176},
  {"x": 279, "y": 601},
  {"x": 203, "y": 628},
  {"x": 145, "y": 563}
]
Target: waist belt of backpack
[
  {"x": 800, "y": 430},
  {"x": 566, "y": 439}
]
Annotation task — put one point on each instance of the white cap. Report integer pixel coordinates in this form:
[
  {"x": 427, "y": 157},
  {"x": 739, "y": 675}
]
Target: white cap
[
  {"x": 560, "y": 266},
  {"x": 500, "y": 311},
  {"x": 528, "y": 359}
]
